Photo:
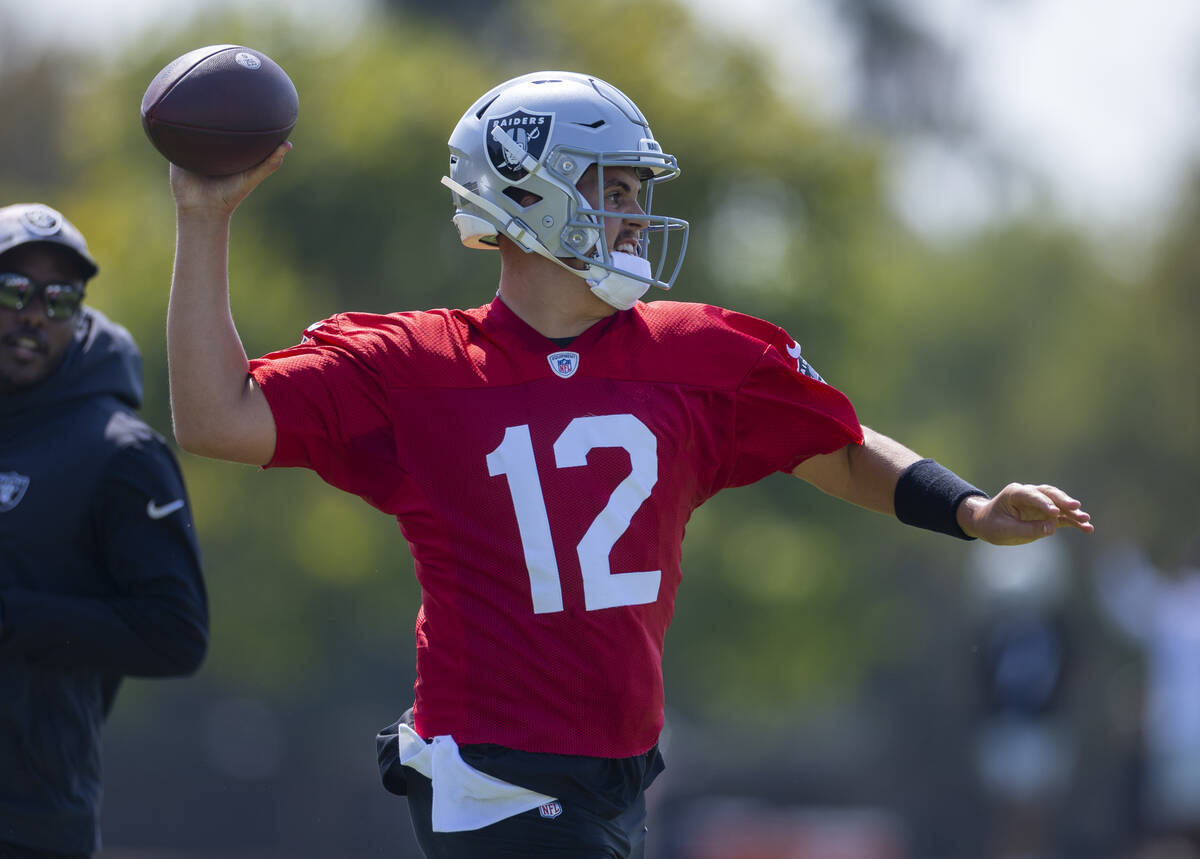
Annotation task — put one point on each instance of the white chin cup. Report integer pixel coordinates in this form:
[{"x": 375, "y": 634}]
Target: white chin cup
[{"x": 618, "y": 289}]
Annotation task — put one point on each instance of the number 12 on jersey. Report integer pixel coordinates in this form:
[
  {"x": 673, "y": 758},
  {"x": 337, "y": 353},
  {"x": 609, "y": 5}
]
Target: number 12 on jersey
[{"x": 602, "y": 588}]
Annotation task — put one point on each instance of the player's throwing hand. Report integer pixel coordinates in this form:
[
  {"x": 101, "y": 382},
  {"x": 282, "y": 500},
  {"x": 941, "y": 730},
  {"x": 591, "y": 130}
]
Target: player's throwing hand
[{"x": 220, "y": 195}]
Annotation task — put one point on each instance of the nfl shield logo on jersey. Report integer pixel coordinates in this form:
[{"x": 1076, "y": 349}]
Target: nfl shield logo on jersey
[
  {"x": 564, "y": 364},
  {"x": 550, "y": 810},
  {"x": 12, "y": 490}
]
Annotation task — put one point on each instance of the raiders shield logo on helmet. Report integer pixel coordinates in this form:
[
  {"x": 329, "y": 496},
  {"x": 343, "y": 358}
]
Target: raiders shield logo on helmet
[
  {"x": 527, "y": 132},
  {"x": 12, "y": 490}
]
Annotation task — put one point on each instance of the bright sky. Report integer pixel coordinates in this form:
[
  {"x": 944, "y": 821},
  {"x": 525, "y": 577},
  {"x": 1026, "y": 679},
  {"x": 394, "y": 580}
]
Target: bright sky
[{"x": 1098, "y": 96}]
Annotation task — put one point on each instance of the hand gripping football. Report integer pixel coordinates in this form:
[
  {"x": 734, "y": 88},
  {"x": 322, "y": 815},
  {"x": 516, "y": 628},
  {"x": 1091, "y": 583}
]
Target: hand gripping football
[{"x": 220, "y": 109}]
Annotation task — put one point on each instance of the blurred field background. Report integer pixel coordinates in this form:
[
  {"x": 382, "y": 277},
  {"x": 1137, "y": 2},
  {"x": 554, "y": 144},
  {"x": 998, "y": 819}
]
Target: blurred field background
[{"x": 826, "y": 671}]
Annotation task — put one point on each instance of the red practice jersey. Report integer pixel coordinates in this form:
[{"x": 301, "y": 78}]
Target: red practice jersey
[{"x": 544, "y": 491}]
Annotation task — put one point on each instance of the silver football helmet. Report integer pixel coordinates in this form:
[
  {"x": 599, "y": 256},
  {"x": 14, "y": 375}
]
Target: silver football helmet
[{"x": 532, "y": 138}]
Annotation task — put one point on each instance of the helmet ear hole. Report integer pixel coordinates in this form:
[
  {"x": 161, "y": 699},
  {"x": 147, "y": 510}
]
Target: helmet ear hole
[{"x": 521, "y": 197}]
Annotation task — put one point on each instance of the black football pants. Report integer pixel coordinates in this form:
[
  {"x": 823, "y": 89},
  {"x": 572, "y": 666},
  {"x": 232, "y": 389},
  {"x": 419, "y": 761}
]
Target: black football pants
[{"x": 575, "y": 834}]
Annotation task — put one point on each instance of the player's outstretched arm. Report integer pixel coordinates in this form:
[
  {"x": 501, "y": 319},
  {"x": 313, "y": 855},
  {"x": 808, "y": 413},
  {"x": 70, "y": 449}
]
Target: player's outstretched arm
[
  {"x": 216, "y": 408},
  {"x": 930, "y": 496},
  {"x": 863, "y": 474}
]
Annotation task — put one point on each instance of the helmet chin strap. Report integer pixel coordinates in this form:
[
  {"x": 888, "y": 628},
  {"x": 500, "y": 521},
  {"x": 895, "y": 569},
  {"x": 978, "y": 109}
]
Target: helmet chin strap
[
  {"x": 613, "y": 287},
  {"x": 619, "y": 289}
]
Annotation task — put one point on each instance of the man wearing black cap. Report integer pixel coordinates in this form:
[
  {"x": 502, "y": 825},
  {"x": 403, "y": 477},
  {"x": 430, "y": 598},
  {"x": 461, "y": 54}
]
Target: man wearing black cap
[{"x": 99, "y": 566}]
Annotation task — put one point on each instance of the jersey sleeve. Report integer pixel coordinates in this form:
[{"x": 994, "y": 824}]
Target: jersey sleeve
[
  {"x": 785, "y": 414},
  {"x": 328, "y": 397}
]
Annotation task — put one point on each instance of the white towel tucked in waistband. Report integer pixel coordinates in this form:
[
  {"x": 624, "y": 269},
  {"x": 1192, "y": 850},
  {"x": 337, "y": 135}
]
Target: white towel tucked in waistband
[{"x": 463, "y": 797}]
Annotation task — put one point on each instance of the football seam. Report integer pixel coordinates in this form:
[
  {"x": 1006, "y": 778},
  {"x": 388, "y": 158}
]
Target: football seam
[
  {"x": 179, "y": 78},
  {"x": 212, "y": 130}
]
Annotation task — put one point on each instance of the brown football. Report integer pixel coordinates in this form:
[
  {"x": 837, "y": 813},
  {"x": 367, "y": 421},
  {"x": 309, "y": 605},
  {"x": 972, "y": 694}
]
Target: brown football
[{"x": 219, "y": 109}]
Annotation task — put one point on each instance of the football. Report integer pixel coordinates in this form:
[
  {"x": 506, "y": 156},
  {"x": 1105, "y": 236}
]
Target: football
[{"x": 220, "y": 109}]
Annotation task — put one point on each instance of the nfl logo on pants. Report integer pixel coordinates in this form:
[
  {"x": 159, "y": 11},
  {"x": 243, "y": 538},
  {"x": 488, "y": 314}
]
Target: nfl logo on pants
[{"x": 550, "y": 810}]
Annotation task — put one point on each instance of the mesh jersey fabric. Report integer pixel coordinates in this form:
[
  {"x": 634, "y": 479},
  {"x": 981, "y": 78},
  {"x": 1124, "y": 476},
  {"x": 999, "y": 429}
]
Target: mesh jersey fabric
[{"x": 545, "y": 515}]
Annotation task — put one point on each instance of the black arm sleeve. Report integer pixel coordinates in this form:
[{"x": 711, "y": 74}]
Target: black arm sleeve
[{"x": 153, "y": 621}]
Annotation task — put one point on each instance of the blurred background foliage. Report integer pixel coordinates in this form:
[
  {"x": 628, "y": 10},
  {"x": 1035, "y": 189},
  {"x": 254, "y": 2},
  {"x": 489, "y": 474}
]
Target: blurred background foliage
[{"x": 1011, "y": 353}]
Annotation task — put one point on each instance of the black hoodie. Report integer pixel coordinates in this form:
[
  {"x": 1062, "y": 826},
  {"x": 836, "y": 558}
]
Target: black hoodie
[{"x": 99, "y": 578}]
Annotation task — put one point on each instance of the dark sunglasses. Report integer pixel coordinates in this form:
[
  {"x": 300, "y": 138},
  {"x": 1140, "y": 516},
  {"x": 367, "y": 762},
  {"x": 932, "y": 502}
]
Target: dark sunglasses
[{"x": 59, "y": 300}]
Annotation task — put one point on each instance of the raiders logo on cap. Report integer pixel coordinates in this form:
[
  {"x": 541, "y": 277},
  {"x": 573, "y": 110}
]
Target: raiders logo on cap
[
  {"x": 41, "y": 220},
  {"x": 36, "y": 222}
]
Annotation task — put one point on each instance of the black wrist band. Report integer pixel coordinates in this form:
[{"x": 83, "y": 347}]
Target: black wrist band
[{"x": 927, "y": 496}]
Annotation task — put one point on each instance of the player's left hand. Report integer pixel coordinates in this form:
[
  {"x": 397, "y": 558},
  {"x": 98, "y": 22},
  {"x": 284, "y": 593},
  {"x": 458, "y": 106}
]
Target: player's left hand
[{"x": 1021, "y": 513}]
